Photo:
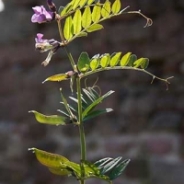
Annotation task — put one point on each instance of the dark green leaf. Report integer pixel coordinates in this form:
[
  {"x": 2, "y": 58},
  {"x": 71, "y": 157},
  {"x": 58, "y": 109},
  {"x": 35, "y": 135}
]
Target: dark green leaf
[
  {"x": 97, "y": 113},
  {"x": 131, "y": 60},
  {"x": 83, "y": 62},
  {"x": 95, "y": 103}
]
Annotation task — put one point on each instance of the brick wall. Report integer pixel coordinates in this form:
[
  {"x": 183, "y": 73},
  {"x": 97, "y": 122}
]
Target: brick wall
[{"x": 147, "y": 124}]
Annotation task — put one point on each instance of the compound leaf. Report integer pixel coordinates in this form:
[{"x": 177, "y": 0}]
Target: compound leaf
[{"x": 51, "y": 120}]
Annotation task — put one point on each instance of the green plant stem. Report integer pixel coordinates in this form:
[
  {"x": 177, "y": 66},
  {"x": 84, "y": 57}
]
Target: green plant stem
[
  {"x": 81, "y": 130},
  {"x": 66, "y": 48}
]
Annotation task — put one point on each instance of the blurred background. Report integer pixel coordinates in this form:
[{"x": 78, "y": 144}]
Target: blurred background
[{"x": 147, "y": 124}]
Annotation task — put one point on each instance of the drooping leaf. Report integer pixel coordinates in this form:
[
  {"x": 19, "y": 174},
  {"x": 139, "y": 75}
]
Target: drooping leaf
[
  {"x": 51, "y": 120},
  {"x": 96, "y": 113},
  {"x": 68, "y": 28},
  {"x": 104, "y": 61},
  {"x": 83, "y": 62},
  {"x": 116, "y": 6},
  {"x": 125, "y": 59},
  {"x": 96, "y": 13},
  {"x": 106, "y": 9},
  {"x": 115, "y": 59},
  {"x": 94, "y": 27},
  {"x": 95, "y": 103},
  {"x": 77, "y": 22},
  {"x": 142, "y": 63},
  {"x": 86, "y": 17},
  {"x": 57, "y": 77},
  {"x": 48, "y": 159}
]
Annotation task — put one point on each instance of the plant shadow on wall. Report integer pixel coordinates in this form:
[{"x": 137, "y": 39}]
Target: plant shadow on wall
[{"x": 78, "y": 19}]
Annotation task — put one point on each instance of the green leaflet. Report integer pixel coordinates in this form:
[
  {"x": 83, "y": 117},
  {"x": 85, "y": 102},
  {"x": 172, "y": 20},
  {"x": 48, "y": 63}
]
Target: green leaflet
[
  {"x": 64, "y": 11},
  {"x": 83, "y": 62},
  {"x": 75, "y": 4},
  {"x": 51, "y": 120},
  {"x": 106, "y": 9},
  {"x": 115, "y": 59},
  {"x": 104, "y": 61},
  {"x": 77, "y": 22},
  {"x": 59, "y": 171},
  {"x": 57, "y": 77},
  {"x": 94, "y": 27},
  {"x": 125, "y": 59},
  {"x": 86, "y": 17},
  {"x": 95, "y": 103},
  {"x": 68, "y": 28},
  {"x": 96, "y": 13},
  {"x": 89, "y": 2},
  {"x": 116, "y": 6},
  {"x": 82, "y": 3},
  {"x": 131, "y": 60},
  {"x": 142, "y": 63},
  {"x": 94, "y": 63}
]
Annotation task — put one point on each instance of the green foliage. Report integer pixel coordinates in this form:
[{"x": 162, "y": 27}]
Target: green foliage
[
  {"x": 106, "y": 169},
  {"x": 84, "y": 17}
]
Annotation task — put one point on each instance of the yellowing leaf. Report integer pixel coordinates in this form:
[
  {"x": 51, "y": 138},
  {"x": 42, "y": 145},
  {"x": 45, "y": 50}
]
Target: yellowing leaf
[
  {"x": 59, "y": 171},
  {"x": 86, "y": 17},
  {"x": 94, "y": 27},
  {"x": 116, "y": 6},
  {"x": 106, "y": 9},
  {"x": 51, "y": 120},
  {"x": 125, "y": 59},
  {"x": 77, "y": 22},
  {"x": 115, "y": 59},
  {"x": 68, "y": 28},
  {"x": 57, "y": 77},
  {"x": 96, "y": 13},
  {"x": 50, "y": 160}
]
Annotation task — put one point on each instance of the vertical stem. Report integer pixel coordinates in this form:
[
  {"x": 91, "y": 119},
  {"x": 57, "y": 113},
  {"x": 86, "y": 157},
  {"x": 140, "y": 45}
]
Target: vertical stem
[{"x": 81, "y": 130}]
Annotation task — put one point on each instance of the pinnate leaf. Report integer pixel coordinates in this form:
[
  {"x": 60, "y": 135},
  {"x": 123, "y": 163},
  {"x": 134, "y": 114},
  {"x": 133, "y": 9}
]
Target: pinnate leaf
[
  {"x": 83, "y": 62},
  {"x": 77, "y": 22},
  {"x": 96, "y": 13},
  {"x": 68, "y": 28},
  {"x": 125, "y": 59},
  {"x": 106, "y": 9},
  {"x": 115, "y": 59},
  {"x": 104, "y": 61},
  {"x": 86, "y": 17},
  {"x": 142, "y": 63}
]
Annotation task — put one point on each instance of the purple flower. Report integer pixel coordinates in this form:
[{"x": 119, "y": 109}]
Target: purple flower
[
  {"x": 44, "y": 45},
  {"x": 41, "y": 15}
]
